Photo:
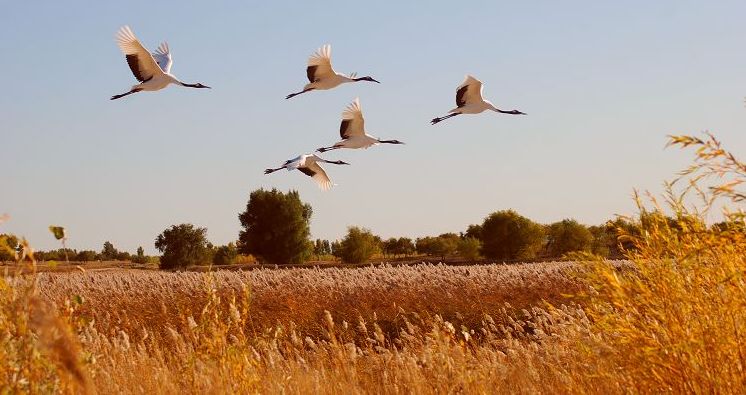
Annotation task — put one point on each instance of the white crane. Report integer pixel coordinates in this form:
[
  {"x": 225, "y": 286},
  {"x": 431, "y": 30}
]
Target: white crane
[
  {"x": 469, "y": 101},
  {"x": 352, "y": 131},
  {"x": 308, "y": 165},
  {"x": 152, "y": 70},
  {"x": 322, "y": 76}
]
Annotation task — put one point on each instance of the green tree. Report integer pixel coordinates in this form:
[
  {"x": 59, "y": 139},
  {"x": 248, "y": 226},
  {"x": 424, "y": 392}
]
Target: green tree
[
  {"x": 108, "y": 252},
  {"x": 8, "y": 244},
  {"x": 182, "y": 245},
  {"x": 276, "y": 227},
  {"x": 603, "y": 240},
  {"x": 474, "y": 232},
  {"x": 225, "y": 255},
  {"x": 337, "y": 249},
  {"x": 508, "y": 235},
  {"x": 568, "y": 236},
  {"x": 86, "y": 256},
  {"x": 446, "y": 244},
  {"x": 140, "y": 256},
  {"x": 468, "y": 248},
  {"x": 358, "y": 245},
  {"x": 425, "y": 245},
  {"x": 440, "y": 246},
  {"x": 405, "y": 246},
  {"x": 321, "y": 247},
  {"x": 389, "y": 246}
]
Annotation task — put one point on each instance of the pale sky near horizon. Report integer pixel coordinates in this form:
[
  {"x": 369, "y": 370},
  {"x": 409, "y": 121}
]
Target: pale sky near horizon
[{"x": 603, "y": 83}]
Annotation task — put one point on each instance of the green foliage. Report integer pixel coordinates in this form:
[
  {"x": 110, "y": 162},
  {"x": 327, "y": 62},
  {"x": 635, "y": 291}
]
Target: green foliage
[
  {"x": 182, "y": 245},
  {"x": 441, "y": 246},
  {"x": 568, "y": 236},
  {"x": 358, "y": 245},
  {"x": 57, "y": 231},
  {"x": 225, "y": 255},
  {"x": 140, "y": 256},
  {"x": 8, "y": 244},
  {"x": 468, "y": 248},
  {"x": 603, "y": 240},
  {"x": 398, "y": 246},
  {"x": 322, "y": 247},
  {"x": 86, "y": 256},
  {"x": 508, "y": 235},
  {"x": 474, "y": 232},
  {"x": 109, "y": 253},
  {"x": 275, "y": 227},
  {"x": 337, "y": 249}
]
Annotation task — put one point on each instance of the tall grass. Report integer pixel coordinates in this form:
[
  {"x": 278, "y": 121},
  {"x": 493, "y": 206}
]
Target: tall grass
[{"x": 671, "y": 319}]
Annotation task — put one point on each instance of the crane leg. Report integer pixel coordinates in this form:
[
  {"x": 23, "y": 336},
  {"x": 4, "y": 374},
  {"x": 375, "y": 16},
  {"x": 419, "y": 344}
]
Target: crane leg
[
  {"x": 298, "y": 93},
  {"x": 125, "y": 94},
  {"x": 436, "y": 120}
]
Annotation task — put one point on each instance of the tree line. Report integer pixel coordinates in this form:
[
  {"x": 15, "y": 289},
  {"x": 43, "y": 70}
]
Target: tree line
[
  {"x": 10, "y": 247},
  {"x": 276, "y": 230}
]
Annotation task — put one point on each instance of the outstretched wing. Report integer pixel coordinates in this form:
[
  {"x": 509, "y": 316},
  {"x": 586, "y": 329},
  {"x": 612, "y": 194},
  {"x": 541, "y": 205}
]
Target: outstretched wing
[
  {"x": 470, "y": 91},
  {"x": 353, "y": 123},
  {"x": 313, "y": 170},
  {"x": 162, "y": 56},
  {"x": 320, "y": 64},
  {"x": 141, "y": 62}
]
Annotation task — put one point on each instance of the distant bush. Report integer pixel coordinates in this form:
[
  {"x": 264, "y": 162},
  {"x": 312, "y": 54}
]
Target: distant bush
[
  {"x": 398, "y": 246},
  {"x": 508, "y": 235},
  {"x": 8, "y": 244},
  {"x": 242, "y": 259},
  {"x": 358, "y": 245},
  {"x": 225, "y": 255},
  {"x": 182, "y": 245},
  {"x": 468, "y": 248},
  {"x": 108, "y": 252},
  {"x": 140, "y": 256},
  {"x": 86, "y": 256},
  {"x": 568, "y": 236}
]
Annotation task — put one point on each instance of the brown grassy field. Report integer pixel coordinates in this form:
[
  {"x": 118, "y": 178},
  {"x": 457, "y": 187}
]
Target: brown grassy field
[
  {"x": 153, "y": 301},
  {"x": 425, "y": 328}
]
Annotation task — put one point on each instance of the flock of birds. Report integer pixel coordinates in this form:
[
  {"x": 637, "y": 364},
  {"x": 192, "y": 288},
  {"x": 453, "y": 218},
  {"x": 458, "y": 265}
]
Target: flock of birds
[{"x": 153, "y": 71}]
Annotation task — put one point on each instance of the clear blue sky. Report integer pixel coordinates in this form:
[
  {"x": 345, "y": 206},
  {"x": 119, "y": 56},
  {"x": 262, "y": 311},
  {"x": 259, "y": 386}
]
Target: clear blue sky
[{"x": 602, "y": 82}]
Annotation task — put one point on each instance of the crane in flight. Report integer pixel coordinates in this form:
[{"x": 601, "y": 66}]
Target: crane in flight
[
  {"x": 321, "y": 75},
  {"x": 352, "y": 131},
  {"x": 308, "y": 164},
  {"x": 152, "y": 70},
  {"x": 469, "y": 101}
]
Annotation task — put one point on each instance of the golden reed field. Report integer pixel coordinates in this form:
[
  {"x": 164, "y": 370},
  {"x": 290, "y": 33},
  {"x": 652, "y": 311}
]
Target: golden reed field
[{"x": 670, "y": 318}]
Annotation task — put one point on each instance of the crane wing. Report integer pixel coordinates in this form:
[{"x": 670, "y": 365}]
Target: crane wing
[
  {"x": 320, "y": 64},
  {"x": 353, "y": 123},
  {"x": 313, "y": 170},
  {"x": 141, "y": 62},
  {"x": 469, "y": 91},
  {"x": 162, "y": 56}
]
